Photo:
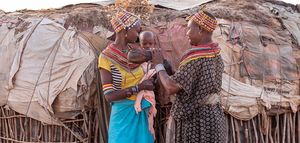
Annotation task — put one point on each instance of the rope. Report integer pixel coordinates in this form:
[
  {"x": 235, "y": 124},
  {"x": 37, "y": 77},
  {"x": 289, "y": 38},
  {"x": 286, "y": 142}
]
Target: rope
[
  {"x": 35, "y": 86},
  {"x": 230, "y": 71},
  {"x": 29, "y": 35},
  {"x": 42, "y": 67},
  {"x": 233, "y": 64},
  {"x": 263, "y": 76}
]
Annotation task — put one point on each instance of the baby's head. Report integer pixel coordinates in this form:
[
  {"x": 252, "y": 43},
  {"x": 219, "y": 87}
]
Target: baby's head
[{"x": 146, "y": 40}]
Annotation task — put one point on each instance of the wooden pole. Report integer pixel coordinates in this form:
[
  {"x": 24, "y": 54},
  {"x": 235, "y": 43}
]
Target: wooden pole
[
  {"x": 284, "y": 128},
  {"x": 233, "y": 129},
  {"x": 288, "y": 129},
  {"x": 293, "y": 128}
]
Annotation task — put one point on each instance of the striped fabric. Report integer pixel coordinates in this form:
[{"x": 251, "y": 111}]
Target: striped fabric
[
  {"x": 116, "y": 77},
  {"x": 117, "y": 81}
]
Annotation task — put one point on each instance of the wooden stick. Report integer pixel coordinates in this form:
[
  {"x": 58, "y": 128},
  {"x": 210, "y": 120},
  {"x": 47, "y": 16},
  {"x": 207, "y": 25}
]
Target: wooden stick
[
  {"x": 1, "y": 122},
  {"x": 49, "y": 133},
  {"x": 61, "y": 133},
  {"x": 237, "y": 128},
  {"x": 45, "y": 133},
  {"x": 294, "y": 128},
  {"x": 85, "y": 117},
  {"x": 267, "y": 134},
  {"x": 30, "y": 130},
  {"x": 9, "y": 124},
  {"x": 276, "y": 135},
  {"x": 233, "y": 129},
  {"x": 13, "y": 116},
  {"x": 12, "y": 140},
  {"x": 260, "y": 130},
  {"x": 67, "y": 135},
  {"x": 55, "y": 133},
  {"x": 298, "y": 117},
  {"x": 54, "y": 130},
  {"x": 284, "y": 128},
  {"x": 40, "y": 133},
  {"x": 47, "y": 137},
  {"x": 5, "y": 124},
  {"x": 64, "y": 137},
  {"x": 35, "y": 131},
  {"x": 250, "y": 131},
  {"x": 246, "y": 134},
  {"x": 229, "y": 131},
  {"x": 72, "y": 121},
  {"x": 26, "y": 128},
  {"x": 15, "y": 125},
  {"x": 270, "y": 131},
  {"x": 11, "y": 132},
  {"x": 96, "y": 131},
  {"x": 21, "y": 129},
  {"x": 71, "y": 136},
  {"x": 255, "y": 130},
  {"x": 288, "y": 129},
  {"x": 90, "y": 127}
]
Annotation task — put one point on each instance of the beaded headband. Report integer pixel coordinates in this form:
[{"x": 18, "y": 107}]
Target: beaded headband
[
  {"x": 205, "y": 21},
  {"x": 124, "y": 20}
]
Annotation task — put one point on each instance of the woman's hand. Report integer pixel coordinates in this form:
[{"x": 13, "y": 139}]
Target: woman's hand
[
  {"x": 157, "y": 57},
  {"x": 146, "y": 85}
]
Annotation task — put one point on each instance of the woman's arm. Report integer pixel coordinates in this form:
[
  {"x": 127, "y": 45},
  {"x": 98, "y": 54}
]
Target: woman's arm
[
  {"x": 170, "y": 86},
  {"x": 116, "y": 95},
  {"x": 106, "y": 79}
]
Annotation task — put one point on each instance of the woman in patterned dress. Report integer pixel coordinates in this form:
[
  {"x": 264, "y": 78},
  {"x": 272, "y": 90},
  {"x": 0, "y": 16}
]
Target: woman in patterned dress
[
  {"x": 197, "y": 112},
  {"x": 121, "y": 82}
]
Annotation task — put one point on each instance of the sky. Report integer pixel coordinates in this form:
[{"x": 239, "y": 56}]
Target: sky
[
  {"x": 13, "y": 5},
  {"x": 292, "y": 1}
]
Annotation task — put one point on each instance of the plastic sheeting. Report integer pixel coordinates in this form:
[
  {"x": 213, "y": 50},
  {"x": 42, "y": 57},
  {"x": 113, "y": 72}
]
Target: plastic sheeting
[
  {"x": 46, "y": 71},
  {"x": 289, "y": 18},
  {"x": 266, "y": 55},
  {"x": 244, "y": 101},
  {"x": 242, "y": 97}
]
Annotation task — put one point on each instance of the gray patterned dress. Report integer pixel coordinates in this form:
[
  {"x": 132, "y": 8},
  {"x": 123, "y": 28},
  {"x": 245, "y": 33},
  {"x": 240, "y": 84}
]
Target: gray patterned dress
[{"x": 195, "y": 122}]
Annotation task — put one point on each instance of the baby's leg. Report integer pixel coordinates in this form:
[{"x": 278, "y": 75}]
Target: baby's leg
[
  {"x": 151, "y": 123},
  {"x": 137, "y": 104}
]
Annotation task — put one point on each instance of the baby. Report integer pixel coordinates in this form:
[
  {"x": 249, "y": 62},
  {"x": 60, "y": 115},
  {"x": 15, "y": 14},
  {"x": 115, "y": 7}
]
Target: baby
[{"x": 147, "y": 42}]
